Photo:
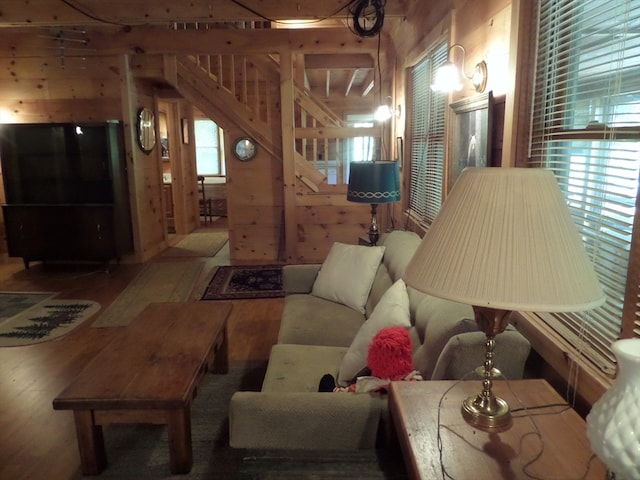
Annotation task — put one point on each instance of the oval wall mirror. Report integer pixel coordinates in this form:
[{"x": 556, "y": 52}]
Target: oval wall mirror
[{"x": 146, "y": 130}]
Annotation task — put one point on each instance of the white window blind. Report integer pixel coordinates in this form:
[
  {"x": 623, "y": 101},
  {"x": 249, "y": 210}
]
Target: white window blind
[
  {"x": 427, "y": 137},
  {"x": 586, "y": 128}
]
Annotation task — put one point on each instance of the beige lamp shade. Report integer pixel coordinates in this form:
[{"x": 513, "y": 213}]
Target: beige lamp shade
[{"x": 505, "y": 239}]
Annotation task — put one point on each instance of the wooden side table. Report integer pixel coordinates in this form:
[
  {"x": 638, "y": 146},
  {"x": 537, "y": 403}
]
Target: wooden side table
[{"x": 561, "y": 451}]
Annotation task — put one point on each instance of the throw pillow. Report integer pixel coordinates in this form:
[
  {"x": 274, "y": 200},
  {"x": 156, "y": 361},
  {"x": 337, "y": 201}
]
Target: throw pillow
[
  {"x": 346, "y": 275},
  {"x": 391, "y": 311}
]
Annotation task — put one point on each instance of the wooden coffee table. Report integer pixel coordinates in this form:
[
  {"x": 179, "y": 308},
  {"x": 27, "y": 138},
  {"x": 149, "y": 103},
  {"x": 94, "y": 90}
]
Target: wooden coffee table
[
  {"x": 561, "y": 451},
  {"x": 149, "y": 373}
]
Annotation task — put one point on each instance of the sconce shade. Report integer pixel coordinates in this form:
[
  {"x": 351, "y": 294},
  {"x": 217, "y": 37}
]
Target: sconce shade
[
  {"x": 374, "y": 182},
  {"x": 447, "y": 79},
  {"x": 383, "y": 113},
  {"x": 505, "y": 239}
]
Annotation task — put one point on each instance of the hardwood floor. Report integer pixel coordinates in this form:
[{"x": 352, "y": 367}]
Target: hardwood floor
[{"x": 37, "y": 442}]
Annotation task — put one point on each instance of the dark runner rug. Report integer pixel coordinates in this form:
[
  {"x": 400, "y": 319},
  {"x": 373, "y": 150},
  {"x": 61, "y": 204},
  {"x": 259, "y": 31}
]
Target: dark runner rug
[
  {"x": 245, "y": 281},
  {"x": 141, "y": 452},
  {"x": 198, "y": 244}
]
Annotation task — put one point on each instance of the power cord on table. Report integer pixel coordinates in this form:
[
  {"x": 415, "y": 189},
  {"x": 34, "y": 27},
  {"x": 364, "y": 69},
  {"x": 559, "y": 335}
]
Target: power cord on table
[{"x": 536, "y": 432}]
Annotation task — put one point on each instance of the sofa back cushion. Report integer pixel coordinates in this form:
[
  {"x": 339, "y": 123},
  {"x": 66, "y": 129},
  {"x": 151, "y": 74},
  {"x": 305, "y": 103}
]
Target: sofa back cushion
[
  {"x": 436, "y": 321},
  {"x": 399, "y": 248},
  {"x": 381, "y": 283}
]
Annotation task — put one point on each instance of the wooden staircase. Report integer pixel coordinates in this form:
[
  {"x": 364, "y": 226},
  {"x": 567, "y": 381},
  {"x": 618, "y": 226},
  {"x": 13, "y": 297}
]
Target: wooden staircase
[{"x": 244, "y": 90}]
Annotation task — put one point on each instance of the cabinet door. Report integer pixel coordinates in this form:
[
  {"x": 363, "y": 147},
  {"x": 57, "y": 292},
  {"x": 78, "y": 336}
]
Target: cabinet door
[
  {"x": 60, "y": 232},
  {"x": 94, "y": 232},
  {"x": 24, "y": 229}
]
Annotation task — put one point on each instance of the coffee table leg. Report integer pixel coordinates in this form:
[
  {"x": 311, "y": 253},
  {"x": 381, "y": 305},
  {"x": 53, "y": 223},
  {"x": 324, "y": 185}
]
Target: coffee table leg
[
  {"x": 93, "y": 457},
  {"x": 179, "y": 429},
  {"x": 221, "y": 358}
]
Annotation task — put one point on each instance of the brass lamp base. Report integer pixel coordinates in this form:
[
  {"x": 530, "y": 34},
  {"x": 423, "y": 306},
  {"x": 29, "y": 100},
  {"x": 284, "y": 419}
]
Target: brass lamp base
[
  {"x": 489, "y": 413},
  {"x": 485, "y": 410}
]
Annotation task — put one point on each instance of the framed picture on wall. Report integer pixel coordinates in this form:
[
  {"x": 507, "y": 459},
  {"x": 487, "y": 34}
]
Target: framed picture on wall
[{"x": 470, "y": 135}]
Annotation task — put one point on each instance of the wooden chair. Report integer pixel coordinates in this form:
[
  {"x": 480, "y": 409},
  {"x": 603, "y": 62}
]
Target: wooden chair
[{"x": 204, "y": 202}]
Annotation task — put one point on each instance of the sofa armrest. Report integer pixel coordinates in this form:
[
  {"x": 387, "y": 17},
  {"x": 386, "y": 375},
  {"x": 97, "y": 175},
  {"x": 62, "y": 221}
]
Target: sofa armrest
[
  {"x": 299, "y": 278},
  {"x": 305, "y": 420},
  {"x": 464, "y": 352}
]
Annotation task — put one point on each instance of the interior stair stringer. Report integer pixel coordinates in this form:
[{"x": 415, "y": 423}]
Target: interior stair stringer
[{"x": 199, "y": 88}]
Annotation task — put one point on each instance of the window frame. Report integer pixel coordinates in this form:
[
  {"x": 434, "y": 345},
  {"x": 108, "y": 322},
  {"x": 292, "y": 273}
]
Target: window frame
[
  {"x": 426, "y": 179},
  {"x": 629, "y": 323}
]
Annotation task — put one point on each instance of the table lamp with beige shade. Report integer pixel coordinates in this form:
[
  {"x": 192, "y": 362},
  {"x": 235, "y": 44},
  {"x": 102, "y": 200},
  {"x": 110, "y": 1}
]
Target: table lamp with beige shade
[{"x": 503, "y": 241}]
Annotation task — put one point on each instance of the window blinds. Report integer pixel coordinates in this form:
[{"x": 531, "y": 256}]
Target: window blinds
[
  {"x": 427, "y": 138},
  {"x": 586, "y": 128}
]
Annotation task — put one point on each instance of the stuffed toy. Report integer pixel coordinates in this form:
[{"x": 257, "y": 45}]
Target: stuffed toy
[{"x": 389, "y": 358}]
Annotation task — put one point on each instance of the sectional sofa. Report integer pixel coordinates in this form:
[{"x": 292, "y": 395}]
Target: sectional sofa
[{"x": 322, "y": 332}]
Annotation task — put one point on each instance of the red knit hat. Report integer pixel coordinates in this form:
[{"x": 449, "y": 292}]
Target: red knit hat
[{"x": 390, "y": 354}]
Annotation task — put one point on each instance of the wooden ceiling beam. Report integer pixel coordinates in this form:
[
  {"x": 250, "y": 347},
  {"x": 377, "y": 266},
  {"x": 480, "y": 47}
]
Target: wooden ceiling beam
[
  {"x": 157, "y": 40},
  {"x": 352, "y": 78},
  {"x": 32, "y": 13},
  {"x": 346, "y": 61},
  {"x": 328, "y": 84},
  {"x": 368, "y": 83}
]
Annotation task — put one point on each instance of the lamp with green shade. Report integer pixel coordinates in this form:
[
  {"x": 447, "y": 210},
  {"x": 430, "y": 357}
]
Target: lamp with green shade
[{"x": 374, "y": 183}]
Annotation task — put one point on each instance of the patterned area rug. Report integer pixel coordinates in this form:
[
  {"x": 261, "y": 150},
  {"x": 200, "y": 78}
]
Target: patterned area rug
[
  {"x": 157, "y": 282},
  {"x": 12, "y": 303},
  {"x": 245, "y": 281},
  {"x": 42, "y": 321},
  {"x": 200, "y": 244}
]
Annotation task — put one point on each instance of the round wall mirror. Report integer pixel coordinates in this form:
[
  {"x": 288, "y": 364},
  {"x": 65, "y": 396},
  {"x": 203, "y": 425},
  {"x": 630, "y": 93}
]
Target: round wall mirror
[
  {"x": 146, "y": 130},
  {"x": 245, "y": 149}
]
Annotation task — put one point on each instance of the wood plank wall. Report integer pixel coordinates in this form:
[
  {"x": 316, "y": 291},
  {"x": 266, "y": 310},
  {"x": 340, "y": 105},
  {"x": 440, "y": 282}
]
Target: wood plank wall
[
  {"x": 38, "y": 84},
  {"x": 483, "y": 28}
]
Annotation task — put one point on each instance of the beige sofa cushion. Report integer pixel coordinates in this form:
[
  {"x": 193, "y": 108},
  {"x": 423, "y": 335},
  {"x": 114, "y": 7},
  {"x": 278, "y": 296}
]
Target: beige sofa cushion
[
  {"x": 391, "y": 311},
  {"x": 347, "y": 273},
  {"x": 332, "y": 324},
  {"x": 299, "y": 368}
]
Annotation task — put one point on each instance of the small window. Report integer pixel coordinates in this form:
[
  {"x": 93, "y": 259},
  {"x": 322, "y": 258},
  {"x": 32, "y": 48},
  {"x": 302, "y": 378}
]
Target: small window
[{"x": 209, "y": 151}]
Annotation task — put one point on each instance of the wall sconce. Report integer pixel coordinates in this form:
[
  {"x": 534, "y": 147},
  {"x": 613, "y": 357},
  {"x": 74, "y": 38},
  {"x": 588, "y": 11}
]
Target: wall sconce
[
  {"x": 386, "y": 111},
  {"x": 448, "y": 78}
]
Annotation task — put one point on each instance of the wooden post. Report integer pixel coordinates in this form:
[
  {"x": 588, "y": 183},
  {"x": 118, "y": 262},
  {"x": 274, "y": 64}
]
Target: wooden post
[{"x": 287, "y": 98}]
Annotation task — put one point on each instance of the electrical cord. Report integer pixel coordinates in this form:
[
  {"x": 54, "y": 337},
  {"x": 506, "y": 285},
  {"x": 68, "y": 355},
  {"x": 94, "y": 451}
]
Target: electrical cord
[
  {"x": 535, "y": 432},
  {"x": 87, "y": 14},
  {"x": 364, "y": 12}
]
